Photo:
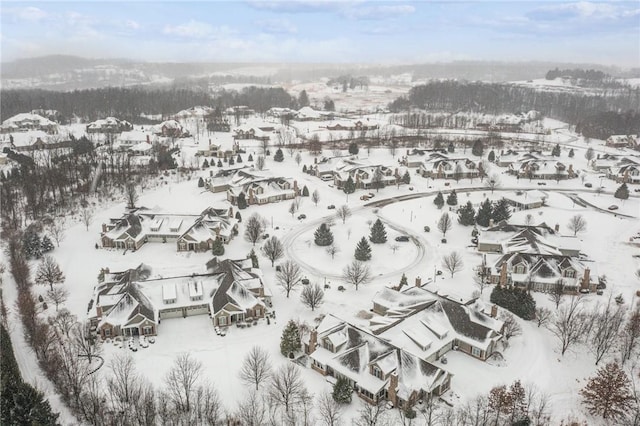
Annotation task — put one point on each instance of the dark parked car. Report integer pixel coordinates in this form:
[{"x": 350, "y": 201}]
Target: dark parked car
[
  {"x": 302, "y": 216},
  {"x": 402, "y": 238},
  {"x": 305, "y": 281},
  {"x": 443, "y": 241},
  {"x": 341, "y": 288},
  {"x": 613, "y": 207},
  {"x": 542, "y": 183},
  {"x": 331, "y": 206},
  {"x": 427, "y": 229},
  {"x": 265, "y": 236},
  {"x": 588, "y": 185}
]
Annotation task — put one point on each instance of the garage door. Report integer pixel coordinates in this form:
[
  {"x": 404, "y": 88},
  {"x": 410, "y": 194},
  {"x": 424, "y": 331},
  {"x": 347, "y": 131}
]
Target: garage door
[
  {"x": 198, "y": 310},
  {"x": 170, "y": 313}
]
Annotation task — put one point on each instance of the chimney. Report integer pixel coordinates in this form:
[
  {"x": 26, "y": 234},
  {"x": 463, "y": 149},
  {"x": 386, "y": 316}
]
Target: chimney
[
  {"x": 313, "y": 342},
  {"x": 494, "y": 311},
  {"x": 586, "y": 279},
  {"x": 295, "y": 187},
  {"x": 418, "y": 282},
  {"x": 393, "y": 388},
  {"x": 148, "y": 139},
  {"x": 491, "y": 223},
  {"x": 557, "y": 227},
  {"x": 503, "y": 275},
  {"x": 104, "y": 227}
]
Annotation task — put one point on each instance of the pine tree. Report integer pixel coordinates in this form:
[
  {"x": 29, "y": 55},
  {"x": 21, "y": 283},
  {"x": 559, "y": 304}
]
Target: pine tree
[
  {"x": 451, "y": 147},
  {"x": 205, "y": 164},
  {"x": 279, "y": 157},
  {"x": 406, "y": 178},
  {"x": 32, "y": 245},
  {"x": 290, "y": 341},
  {"x": 467, "y": 214},
  {"x": 219, "y": 163},
  {"x": 363, "y": 250},
  {"x": 231, "y": 162},
  {"x": 378, "y": 233},
  {"x": 484, "y": 213},
  {"x": 242, "y": 201},
  {"x": 239, "y": 159},
  {"x": 254, "y": 259},
  {"x": 218, "y": 247},
  {"x": 250, "y": 158},
  {"x": 238, "y": 217},
  {"x": 478, "y": 148},
  {"x": 323, "y": 236},
  {"x": 305, "y": 191},
  {"x": 556, "y": 151},
  {"x": 500, "y": 211},
  {"x": 492, "y": 156},
  {"x": 452, "y": 198},
  {"x": 622, "y": 193},
  {"x": 342, "y": 391},
  {"x": 304, "y": 168},
  {"x": 608, "y": 394},
  {"x": 349, "y": 186},
  {"x": 353, "y": 148},
  {"x": 403, "y": 281},
  {"x": 47, "y": 245},
  {"x": 571, "y": 153},
  {"x": 200, "y": 182},
  {"x": 439, "y": 200}
]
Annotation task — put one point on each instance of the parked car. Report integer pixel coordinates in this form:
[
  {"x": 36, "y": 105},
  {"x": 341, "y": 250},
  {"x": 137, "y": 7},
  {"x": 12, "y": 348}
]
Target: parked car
[
  {"x": 302, "y": 216},
  {"x": 613, "y": 207},
  {"x": 474, "y": 241},
  {"x": 443, "y": 241},
  {"x": 365, "y": 197},
  {"x": 599, "y": 292},
  {"x": 427, "y": 229},
  {"x": 411, "y": 188},
  {"x": 331, "y": 206},
  {"x": 265, "y": 236},
  {"x": 446, "y": 184},
  {"x": 341, "y": 288},
  {"x": 371, "y": 195},
  {"x": 588, "y": 185},
  {"x": 402, "y": 238},
  {"x": 439, "y": 272},
  {"x": 636, "y": 190},
  {"x": 305, "y": 281},
  {"x": 542, "y": 183}
]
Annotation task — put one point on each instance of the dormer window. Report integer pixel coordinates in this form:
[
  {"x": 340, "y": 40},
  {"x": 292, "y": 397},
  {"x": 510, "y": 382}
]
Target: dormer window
[{"x": 377, "y": 372}]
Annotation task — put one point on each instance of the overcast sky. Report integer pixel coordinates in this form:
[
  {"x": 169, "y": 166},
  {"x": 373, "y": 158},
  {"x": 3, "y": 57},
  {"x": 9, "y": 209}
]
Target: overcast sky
[{"x": 325, "y": 31}]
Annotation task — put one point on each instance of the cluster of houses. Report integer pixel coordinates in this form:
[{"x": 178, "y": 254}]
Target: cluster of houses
[
  {"x": 363, "y": 173},
  {"x": 400, "y": 355},
  {"x": 536, "y": 258},
  {"x": 188, "y": 232},
  {"x": 254, "y": 187},
  {"x": 623, "y": 141},
  {"x": 133, "y": 303}
]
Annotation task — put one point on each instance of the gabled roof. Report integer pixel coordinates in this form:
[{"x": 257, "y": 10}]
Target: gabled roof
[{"x": 230, "y": 276}]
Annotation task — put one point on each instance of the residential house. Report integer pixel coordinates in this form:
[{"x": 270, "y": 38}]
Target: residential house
[
  {"x": 246, "y": 133},
  {"x": 537, "y": 166},
  {"x": 623, "y": 141},
  {"x": 526, "y": 200},
  {"x": 109, "y": 125},
  {"x": 170, "y": 129},
  {"x": 443, "y": 166},
  {"x": 604, "y": 162},
  {"x": 130, "y": 138},
  {"x": 364, "y": 174},
  {"x": 627, "y": 170},
  {"x": 26, "y": 121},
  {"x": 259, "y": 189},
  {"x": 356, "y": 126}
]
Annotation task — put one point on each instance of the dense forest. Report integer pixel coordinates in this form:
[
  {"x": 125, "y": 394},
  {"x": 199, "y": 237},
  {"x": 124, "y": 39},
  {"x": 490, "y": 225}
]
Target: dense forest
[
  {"x": 598, "y": 114},
  {"x": 128, "y": 104}
]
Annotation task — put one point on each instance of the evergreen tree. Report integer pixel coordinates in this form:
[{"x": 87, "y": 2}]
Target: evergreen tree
[
  {"x": 238, "y": 217},
  {"x": 279, "y": 157},
  {"x": 242, "y": 201},
  {"x": 342, "y": 391},
  {"x": 520, "y": 302},
  {"x": 304, "y": 168},
  {"x": 452, "y": 198},
  {"x": 239, "y": 159},
  {"x": 439, "y": 200},
  {"x": 47, "y": 245},
  {"x": 205, "y": 164},
  {"x": 290, "y": 341},
  {"x": 219, "y": 163},
  {"x": 556, "y": 151},
  {"x": 492, "y": 156},
  {"x": 305, "y": 191},
  {"x": 451, "y": 147},
  {"x": 608, "y": 394},
  {"x": 622, "y": 193},
  {"x": 231, "y": 162},
  {"x": 32, "y": 245},
  {"x": 218, "y": 247},
  {"x": 353, "y": 148},
  {"x": 571, "y": 153},
  {"x": 200, "y": 183},
  {"x": 363, "y": 250},
  {"x": 378, "y": 233},
  {"x": 323, "y": 236},
  {"x": 484, "y": 213},
  {"x": 254, "y": 259},
  {"x": 403, "y": 281},
  {"x": 349, "y": 186},
  {"x": 303, "y": 99},
  {"x": 478, "y": 148},
  {"x": 250, "y": 158},
  {"x": 500, "y": 211},
  {"x": 406, "y": 178},
  {"x": 467, "y": 214}
]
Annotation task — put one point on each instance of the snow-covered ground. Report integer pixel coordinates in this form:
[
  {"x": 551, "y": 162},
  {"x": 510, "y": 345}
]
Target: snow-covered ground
[{"x": 532, "y": 357}]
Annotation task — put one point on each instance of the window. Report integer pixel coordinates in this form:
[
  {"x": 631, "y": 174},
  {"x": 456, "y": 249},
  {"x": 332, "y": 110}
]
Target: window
[
  {"x": 570, "y": 273},
  {"x": 222, "y": 320},
  {"x": 147, "y": 330},
  {"x": 377, "y": 372},
  {"x": 107, "y": 332},
  {"x": 475, "y": 352}
]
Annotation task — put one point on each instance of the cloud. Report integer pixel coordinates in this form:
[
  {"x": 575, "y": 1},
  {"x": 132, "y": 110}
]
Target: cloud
[
  {"x": 581, "y": 11},
  {"x": 299, "y": 6},
  {"x": 277, "y": 26},
  {"x": 379, "y": 11},
  {"x": 197, "y": 30},
  {"x": 132, "y": 25},
  {"x": 28, "y": 14}
]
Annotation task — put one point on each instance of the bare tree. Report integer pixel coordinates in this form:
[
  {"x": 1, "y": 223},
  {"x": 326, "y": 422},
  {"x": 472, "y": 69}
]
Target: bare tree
[
  {"x": 207, "y": 407},
  {"x": 292, "y": 208},
  {"x": 528, "y": 220},
  {"x": 286, "y": 386},
  {"x": 84, "y": 341},
  {"x": 256, "y": 367},
  {"x": 372, "y": 415},
  {"x": 124, "y": 387},
  {"x": 289, "y": 276},
  {"x": 254, "y": 228},
  {"x": 543, "y": 315},
  {"x": 376, "y": 179},
  {"x": 181, "y": 382},
  {"x": 577, "y": 224},
  {"x": 49, "y": 272},
  {"x": 606, "y": 325},
  {"x": 589, "y": 154},
  {"x": 298, "y": 159},
  {"x": 315, "y": 197},
  {"x": 260, "y": 162},
  {"x": 356, "y": 273},
  {"x": 557, "y": 293},
  {"x": 445, "y": 223},
  {"x": 630, "y": 336},
  {"x": 480, "y": 282},
  {"x": 568, "y": 325},
  {"x": 57, "y": 295},
  {"x": 329, "y": 410},
  {"x": 312, "y": 296},
  {"x": 343, "y": 212},
  {"x": 273, "y": 249},
  {"x": 452, "y": 262},
  {"x": 252, "y": 410},
  {"x": 57, "y": 230},
  {"x": 493, "y": 182},
  {"x": 511, "y": 326},
  {"x": 131, "y": 195},
  {"x": 63, "y": 321},
  {"x": 86, "y": 216},
  {"x": 333, "y": 250}
]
